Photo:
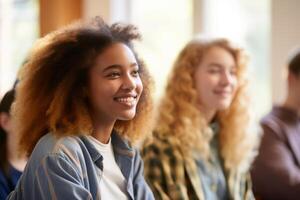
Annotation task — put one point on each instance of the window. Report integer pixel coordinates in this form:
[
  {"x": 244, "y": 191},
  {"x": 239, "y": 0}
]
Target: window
[
  {"x": 166, "y": 26},
  {"x": 18, "y": 31}
]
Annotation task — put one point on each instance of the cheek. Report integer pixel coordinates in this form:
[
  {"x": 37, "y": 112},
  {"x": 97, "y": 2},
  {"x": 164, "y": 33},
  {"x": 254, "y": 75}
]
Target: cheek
[
  {"x": 139, "y": 86},
  {"x": 298, "y": 88},
  {"x": 201, "y": 85},
  {"x": 204, "y": 91},
  {"x": 234, "y": 85},
  {"x": 98, "y": 90},
  {"x": 94, "y": 88},
  {"x": 206, "y": 84}
]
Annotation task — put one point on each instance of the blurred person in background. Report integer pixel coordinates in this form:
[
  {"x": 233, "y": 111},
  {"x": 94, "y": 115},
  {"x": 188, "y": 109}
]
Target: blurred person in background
[
  {"x": 276, "y": 171},
  {"x": 84, "y": 97},
  {"x": 202, "y": 147},
  {"x": 11, "y": 162}
]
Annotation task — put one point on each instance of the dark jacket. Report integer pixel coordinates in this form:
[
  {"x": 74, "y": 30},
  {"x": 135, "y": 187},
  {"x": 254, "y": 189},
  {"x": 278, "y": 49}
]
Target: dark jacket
[
  {"x": 8, "y": 183},
  {"x": 276, "y": 171}
]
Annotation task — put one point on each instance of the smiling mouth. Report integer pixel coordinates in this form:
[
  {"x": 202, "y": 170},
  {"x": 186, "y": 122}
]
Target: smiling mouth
[
  {"x": 223, "y": 93},
  {"x": 127, "y": 101}
]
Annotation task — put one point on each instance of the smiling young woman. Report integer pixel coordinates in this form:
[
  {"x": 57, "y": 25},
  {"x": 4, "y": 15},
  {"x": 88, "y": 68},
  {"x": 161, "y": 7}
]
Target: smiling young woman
[
  {"x": 202, "y": 148},
  {"x": 83, "y": 97}
]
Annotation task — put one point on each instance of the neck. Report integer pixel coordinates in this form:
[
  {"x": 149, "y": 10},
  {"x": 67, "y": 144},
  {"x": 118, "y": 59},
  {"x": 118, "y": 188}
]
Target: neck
[
  {"x": 292, "y": 103},
  {"x": 15, "y": 159},
  {"x": 103, "y": 127},
  {"x": 103, "y": 132},
  {"x": 207, "y": 113}
]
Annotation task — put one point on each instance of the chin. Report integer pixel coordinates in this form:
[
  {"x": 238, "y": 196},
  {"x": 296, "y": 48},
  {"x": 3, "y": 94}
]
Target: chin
[
  {"x": 223, "y": 105},
  {"x": 126, "y": 116}
]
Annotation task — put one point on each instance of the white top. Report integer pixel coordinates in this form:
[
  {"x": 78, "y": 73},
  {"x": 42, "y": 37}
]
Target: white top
[{"x": 112, "y": 181}]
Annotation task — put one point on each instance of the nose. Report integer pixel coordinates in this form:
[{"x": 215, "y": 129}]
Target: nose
[
  {"x": 129, "y": 82},
  {"x": 226, "y": 78}
]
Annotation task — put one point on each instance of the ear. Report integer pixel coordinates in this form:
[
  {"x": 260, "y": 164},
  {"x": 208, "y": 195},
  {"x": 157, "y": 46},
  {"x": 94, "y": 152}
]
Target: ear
[
  {"x": 293, "y": 77},
  {"x": 4, "y": 121}
]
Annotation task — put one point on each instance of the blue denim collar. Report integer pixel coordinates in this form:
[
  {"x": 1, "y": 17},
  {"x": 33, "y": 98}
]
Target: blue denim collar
[
  {"x": 124, "y": 155},
  {"x": 122, "y": 150}
]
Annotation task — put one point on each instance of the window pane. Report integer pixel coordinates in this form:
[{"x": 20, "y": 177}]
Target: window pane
[
  {"x": 18, "y": 31},
  {"x": 164, "y": 32}
]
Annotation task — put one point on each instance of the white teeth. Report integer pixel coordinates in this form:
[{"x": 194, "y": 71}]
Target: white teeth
[{"x": 127, "y": 100}]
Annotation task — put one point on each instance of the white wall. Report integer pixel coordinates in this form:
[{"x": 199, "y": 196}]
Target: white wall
[
  {"x": 110, "y": 10},
  {"x": 285, "y": 35},
  {"x": 93, "y": 8},
  {"x": 6, "y": 75}
]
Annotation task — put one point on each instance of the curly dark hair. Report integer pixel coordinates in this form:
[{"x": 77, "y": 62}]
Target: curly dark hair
[
  {"x": 50, "y": 94},
  {"x": 5, "y": 107},
  {"x": 294, "y": 62}
]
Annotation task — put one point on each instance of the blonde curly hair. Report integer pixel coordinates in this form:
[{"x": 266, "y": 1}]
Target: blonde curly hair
[
  {"x": 180, "y": 120},
  {"x": 50, "y": 95}
]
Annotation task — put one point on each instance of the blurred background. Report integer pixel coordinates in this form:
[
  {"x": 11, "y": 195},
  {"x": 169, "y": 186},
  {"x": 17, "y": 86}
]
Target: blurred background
[{"x": 267, "y": 29}]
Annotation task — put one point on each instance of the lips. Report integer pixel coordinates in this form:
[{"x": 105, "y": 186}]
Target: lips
[
  {"x": 127, "y": 100},
  {"x": 223, "y": 92}
]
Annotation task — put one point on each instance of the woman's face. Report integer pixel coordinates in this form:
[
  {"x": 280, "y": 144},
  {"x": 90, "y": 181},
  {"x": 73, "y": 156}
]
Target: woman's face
[
  {"x": 114, "y": 84},
  {"x": 215, "y": 79},
  {"x": 6, "y": 122}
]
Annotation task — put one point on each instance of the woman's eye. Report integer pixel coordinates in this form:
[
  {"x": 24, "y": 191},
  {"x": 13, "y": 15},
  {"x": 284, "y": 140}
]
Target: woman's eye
[
  {"x": 113, "y": 75},
  {"x": 135, "y": 73},
  {"x": 233, "y": 72},
  {"x": 214, "y": 71}
]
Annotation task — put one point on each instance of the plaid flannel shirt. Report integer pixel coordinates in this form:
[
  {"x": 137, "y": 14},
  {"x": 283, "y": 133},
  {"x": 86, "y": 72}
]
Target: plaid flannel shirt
[{"x": 173, "y": 176}]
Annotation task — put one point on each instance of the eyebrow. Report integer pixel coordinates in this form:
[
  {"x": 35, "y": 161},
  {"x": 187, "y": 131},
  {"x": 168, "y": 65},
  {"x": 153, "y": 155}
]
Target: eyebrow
[
  {"x": 214, "y": 64},
  {"x": 117, "y": 66}
]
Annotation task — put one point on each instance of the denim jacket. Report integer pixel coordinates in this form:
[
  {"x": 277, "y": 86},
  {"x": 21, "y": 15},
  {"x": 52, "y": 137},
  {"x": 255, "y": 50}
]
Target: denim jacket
[{"x": 66, "y": 168}]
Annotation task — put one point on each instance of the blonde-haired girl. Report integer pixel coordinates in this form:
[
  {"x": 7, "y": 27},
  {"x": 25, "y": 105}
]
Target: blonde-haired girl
[{"x": 201, "y": 148}]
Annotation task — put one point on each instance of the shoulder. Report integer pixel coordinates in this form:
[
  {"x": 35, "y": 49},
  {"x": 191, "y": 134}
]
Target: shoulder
[
  {"x": 161, "y": 148},
  {"x": 272, "y": 125},
  {"x": 52, "y": 156},
  {"x": 280, "y": 116},
  {"x": 50, "y": 144},
  {"x": 157, "y": 144},
  {"x": 270, "y": 118},
  {"x": 68, "y": 148},
  {"x": 164, "y": 167},
  {"x": 4, "y": 188},
  {"x": 3, "y": 181}
]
